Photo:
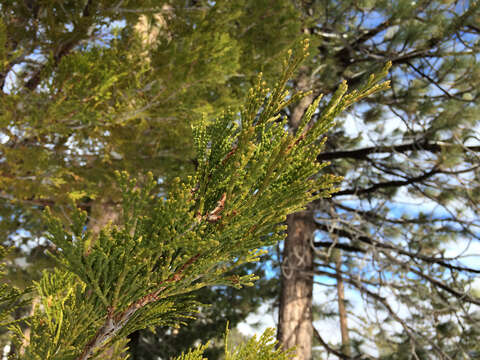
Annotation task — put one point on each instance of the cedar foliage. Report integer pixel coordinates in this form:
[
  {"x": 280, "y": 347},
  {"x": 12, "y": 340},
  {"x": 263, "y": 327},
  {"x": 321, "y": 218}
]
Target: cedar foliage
[
  {"x": 251, "y": 173},
  {"x": 56, "y": 145},
  {"x": 91, "y": 87}
]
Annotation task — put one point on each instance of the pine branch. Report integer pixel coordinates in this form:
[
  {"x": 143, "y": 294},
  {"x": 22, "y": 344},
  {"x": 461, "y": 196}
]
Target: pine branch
[
  {"x": 433, "y": 147},
  {"x": 389, "y": 184},
  {"x": 382, "y": 245},
  {"x": 336, "y": 245},
  {"x": 458, "y": 294},
  {"x": 372, "y": 215},
  {"x": 338, "y": 352},
  {"x": 411, "y": 332},
  {"x": 377, "y": 298}
]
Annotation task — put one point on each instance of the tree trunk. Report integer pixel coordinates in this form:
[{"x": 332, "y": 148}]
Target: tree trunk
[
  {"x": 295, "y": 312},
  {"x": 341, "y": 307},
  {"x": 295, "y": 308}
]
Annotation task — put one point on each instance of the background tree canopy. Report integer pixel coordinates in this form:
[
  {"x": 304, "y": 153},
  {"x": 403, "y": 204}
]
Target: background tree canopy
[
  {"x": 90, "y": 87},
  {"x": 402, "y": 233}
]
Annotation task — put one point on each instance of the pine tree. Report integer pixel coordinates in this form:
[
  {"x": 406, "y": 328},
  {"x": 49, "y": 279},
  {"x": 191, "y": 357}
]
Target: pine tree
[
  {"x": 251, "y": 173},
  {"x": 416, "y": 143}
]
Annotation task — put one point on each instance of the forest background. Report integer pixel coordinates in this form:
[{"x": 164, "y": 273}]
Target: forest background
[{"x": 90, "y": 87}]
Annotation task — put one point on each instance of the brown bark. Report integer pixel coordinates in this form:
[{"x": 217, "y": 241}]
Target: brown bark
[
  {"x": 295, "y": 308},
  {"x": 341, "y": 307},
  {"x": 295, "y": 311}
]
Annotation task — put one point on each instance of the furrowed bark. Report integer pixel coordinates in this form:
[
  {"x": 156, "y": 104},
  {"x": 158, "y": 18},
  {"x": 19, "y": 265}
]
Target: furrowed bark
[
  {"x": 295, "y": 312},
  {"x": 295, "y": 307}
]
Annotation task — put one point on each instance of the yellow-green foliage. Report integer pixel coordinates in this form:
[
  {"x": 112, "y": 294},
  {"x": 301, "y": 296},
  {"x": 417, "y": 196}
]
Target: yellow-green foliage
[
  {"x": 194, "y": 354},
  {"x": 251, "y": 174},
  {"x": 98, "y": 105},
  {"x": 263, "y": 348}
]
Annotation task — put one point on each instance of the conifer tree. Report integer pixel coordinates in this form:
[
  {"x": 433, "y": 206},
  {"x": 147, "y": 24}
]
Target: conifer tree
[
  {"x": 251, "y": 173},
  {"x": 58, "y": 143},
  {"x": 407, "y": 212}
]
